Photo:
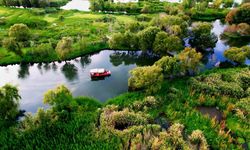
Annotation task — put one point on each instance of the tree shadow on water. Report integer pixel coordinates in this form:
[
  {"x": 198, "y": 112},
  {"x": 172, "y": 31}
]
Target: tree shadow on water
[
  {"x": 23, "y": 71},
  {"x": 70, "y": 71},
  {"x": 85, "y": 60}
]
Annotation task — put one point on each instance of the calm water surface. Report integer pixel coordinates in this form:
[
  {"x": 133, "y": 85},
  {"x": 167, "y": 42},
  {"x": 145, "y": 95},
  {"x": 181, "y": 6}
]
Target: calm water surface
[{"x": 33, "y": 81}]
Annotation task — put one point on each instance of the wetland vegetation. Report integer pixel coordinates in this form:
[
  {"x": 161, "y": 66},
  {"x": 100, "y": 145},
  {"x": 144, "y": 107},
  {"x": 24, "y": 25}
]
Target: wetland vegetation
[{"x": 166, "y": 91}]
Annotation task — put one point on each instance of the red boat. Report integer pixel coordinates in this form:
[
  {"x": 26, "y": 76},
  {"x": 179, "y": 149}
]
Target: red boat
[{"x": 99, "y": 72}]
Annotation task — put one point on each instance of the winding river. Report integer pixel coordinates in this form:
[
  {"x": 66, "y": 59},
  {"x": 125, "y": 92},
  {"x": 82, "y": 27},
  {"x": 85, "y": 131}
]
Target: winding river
[{"x": 34, "y": 80}]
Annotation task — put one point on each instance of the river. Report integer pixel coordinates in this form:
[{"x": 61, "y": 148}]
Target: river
[{"x": 34, "y": 80}]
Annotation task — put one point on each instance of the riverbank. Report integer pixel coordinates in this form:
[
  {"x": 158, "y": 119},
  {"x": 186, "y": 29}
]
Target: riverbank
[{"x": 89, "y": 32}]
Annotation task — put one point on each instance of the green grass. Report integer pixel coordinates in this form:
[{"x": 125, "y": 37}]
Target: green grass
[{"x": 47, "y": 27}]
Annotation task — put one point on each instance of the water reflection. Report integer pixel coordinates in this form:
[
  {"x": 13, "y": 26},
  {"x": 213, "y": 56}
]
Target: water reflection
[
  {"x": 85, "y": 60},
  {"x": 132, "y": 57},
  {"x": 23, "y": 71},
  {"x": 70, "y": 71}
]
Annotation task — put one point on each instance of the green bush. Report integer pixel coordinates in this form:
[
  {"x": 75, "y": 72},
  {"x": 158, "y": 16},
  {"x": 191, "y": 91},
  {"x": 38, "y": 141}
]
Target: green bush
[
  {"x": 32, "y": 22},
  {"x": 44, "y": 50}
]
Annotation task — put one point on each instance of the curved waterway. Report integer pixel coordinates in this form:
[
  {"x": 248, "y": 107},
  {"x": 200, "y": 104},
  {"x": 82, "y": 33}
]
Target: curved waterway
[{"x": 34, "y": 80}]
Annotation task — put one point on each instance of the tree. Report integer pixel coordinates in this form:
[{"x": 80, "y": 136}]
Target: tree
[
  {"x": 188, "y": 3},
  {"x": 116, "y": 41},
  {"x": 243, "y": 14},
  {"x": 239, "y": 15},
  {"x": 64, "y": 47},
  {"x": 169, "y": 65},
  {"x": 134, "y": 26},
  {"x": 228, "y": 3},
  {"x": 164, "y": 43},
  {"x": 243, "y": 29},
  {"x": 149, "y": 78},
  {"x": 147, "y": 38},
  {"x": 171, "y": 24},
  {"x": 61, "y": 101},
  {"x": 190, "y": 60},
  {"x": 131, "y": 40},
  {"x": 20, "y": 32},
  {"x": 145, "y": 9},
  {"x": 202, "y": 38},
  {"x": 238, "y": 55},
  {"x": 12, "y": 45},
  {"x": 217, "y": 4},
  {"x": 9, "y": 104}
]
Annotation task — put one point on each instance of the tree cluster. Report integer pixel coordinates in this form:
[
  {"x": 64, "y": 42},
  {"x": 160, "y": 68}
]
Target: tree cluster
[
  {"x": 201, "y": 37},
  {"x": 19, "y": 36},
  {"x": 9, "y": 105},
  {"x": 238, "y": 55},
  {"x": 32, "y": 3},
  {"x": 239, "y": 15}
]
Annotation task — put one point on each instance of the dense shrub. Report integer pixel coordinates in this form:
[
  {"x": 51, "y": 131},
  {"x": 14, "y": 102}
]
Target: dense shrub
[
  {"x": 20, "y": 32},
  {"x": 213, "y": 84},
  {"x": 32, "y": 22},
  {"x": 202, "y": 38},
  {"x": 107, "y": 18},
  {"x": 9, "y": 105},
  {"x": 148, "y": 78},
  {"x": 238, "y": 55},
  {"x": 44, "y": 50},
  {"x": 239, "y": 15},
  {"x": 34, "y": 3},
  {"x": 64, "y": 47},
  {"x": 12, "y": 45},
  {"x": 169, "y": 65},
  {"x": 171, "y": 24},
  {"x": 164, "y": 44},
  {"x": 147, "y": 38}
]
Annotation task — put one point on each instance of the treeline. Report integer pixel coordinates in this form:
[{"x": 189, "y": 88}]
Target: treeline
[
  {"x": 139, "y": 7},
  {"x": 33, "y": 3}
]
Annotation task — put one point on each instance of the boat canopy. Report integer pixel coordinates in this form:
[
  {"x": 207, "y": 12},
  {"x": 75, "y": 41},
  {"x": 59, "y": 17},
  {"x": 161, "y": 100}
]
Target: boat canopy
[{"x": 97, "y": 70}]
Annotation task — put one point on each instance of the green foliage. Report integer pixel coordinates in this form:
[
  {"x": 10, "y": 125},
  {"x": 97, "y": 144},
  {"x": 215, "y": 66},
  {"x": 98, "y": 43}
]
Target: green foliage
[
  {"x": 43, "y": 50},
  {"x": 169, "y": 65},
  {"x": 64, "y": 47},
  {"x": 239, "y": 15},
  {"x": 20, "y": 32},
  {"x": 147, "y": 38},
  {"x": 12, "y": 45},
  {"x": 34, "y": 3},
  {"x": 244, "y": 104},
  {"x": 172, "y": 24},
  {"x": 199, "y": 139},
  {"x": 117, "y": 41},
  {"x": 238, "y": 55},
  {"x": 9, "y": 105},
  {"x": 134, "y": 26},
  {"x": 107, "y": 18},
  {"x": 145, "y": 9},
  {"x": 215, "y": 84},
  {"x": 188, "y": 3},
  {"x": 202, "y": 37},
  {"x": 165, "y": 44},
  {"x": 59, "y": 99},
  {"x": 148, "y": 78},
  {"x": 190, "y": 60},
  {"x": 228, "y": 3}
]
